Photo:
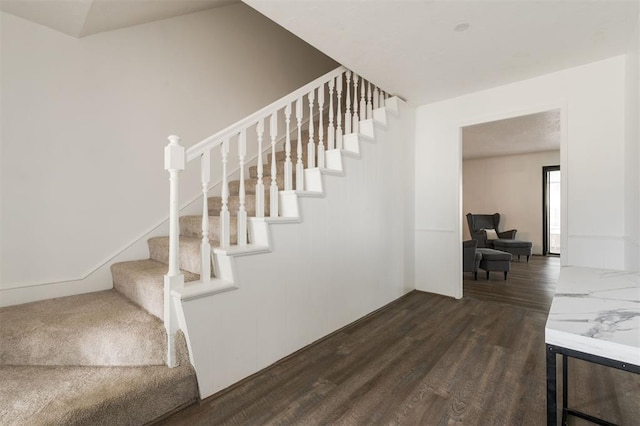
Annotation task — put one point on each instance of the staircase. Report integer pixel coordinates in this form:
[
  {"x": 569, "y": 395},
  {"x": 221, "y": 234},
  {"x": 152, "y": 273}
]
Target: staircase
[{"x": 98, "y": 358}]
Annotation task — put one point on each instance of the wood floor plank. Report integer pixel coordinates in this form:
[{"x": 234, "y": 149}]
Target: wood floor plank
[{"x": 429, "y": 360}]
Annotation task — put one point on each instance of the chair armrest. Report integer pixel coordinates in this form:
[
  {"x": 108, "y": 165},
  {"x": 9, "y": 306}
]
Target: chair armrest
[{"x": 508, "y": 235}]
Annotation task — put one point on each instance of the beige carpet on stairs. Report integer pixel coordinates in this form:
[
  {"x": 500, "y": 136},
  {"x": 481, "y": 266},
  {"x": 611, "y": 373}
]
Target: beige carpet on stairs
[
  {"x": 96, "y": 329},
  {"x": 91, "y": 359}
]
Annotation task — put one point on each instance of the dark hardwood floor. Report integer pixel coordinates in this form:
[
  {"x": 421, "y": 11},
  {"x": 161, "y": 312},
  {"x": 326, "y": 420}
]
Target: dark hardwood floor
[
  {"x": 528, "y": 285},
  {"x": 428, "y": 360}
]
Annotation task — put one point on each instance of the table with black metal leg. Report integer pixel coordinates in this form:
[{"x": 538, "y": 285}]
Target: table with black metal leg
[{"x": 595, "y": 317}]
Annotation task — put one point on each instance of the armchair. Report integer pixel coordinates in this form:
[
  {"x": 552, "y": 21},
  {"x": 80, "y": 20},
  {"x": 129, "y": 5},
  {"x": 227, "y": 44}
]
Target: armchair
[
  {"x": 479, "y": 222},
  {"x": 470, "y": 257}
]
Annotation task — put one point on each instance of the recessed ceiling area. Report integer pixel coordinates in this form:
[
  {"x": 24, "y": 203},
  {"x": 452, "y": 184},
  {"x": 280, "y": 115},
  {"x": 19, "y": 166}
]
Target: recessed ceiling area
[
  {"x": 519, "y": 135},
  {"x": 80, "y": 18}
]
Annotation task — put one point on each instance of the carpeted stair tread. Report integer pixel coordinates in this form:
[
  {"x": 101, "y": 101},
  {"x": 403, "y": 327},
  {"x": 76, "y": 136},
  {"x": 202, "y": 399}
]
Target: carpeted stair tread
[
  {"x": 189, "y": 254},
  {"x": 142, "y": 281},
  {"x": 94, "y": 329},
  {"x": 77, "y": 395},
  {"x": 191, "y": 226}
]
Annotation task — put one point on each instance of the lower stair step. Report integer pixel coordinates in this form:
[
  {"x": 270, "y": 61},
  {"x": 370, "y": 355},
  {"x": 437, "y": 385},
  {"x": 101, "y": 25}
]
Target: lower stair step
[
  {"x": 142, "y": 281},
  {"x": 94, "y": 329},
  {"x": 75, "y": 395}
]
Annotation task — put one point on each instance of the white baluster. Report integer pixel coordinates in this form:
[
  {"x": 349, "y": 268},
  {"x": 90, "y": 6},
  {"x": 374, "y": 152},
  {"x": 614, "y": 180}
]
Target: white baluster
[
  {"x": 311, "y": 148},
  {"x": 339, "y": 114},
  {"x": 363, "y": 100},
  {"x": 369, "y": 102},
  {"x": 273, "y": 190},
  {"x": 381, "y": 98},
  {"x": 242, "y": 212},
  {"x": 288, "y": 169},
  {"x": 225, "y": 221},
  {"x": 320, "y": 126},
  {"x": 356, "y": 118},
  {"x": 331, "y": 133},
  {"x": 260, "y": 184},
  {"x": 174, "y": 162},
  {"x": 205, "y": 246},
  {"x": 347, "y": 112},
  {"x": 376, "y": 98},
  {"x": 299, "y": 165}
]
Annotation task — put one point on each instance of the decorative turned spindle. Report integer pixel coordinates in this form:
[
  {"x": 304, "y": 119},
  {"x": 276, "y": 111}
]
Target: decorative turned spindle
[
  {"x": 347, "y": 109},
  {"x": 225, "y": 222},
  {"x": 260, "y": 183},
  {"x": 299, "y": 164},
  {"x": 376, "y": 98},
  {"x": 363, "y": 99},
  {"x": 288, "y": 167},
  {"x": 339, "y": 113},
  {"x": 205, "y": 246},
  {"x": 311, "y": 148},
  {"x": 273, "y": 190},
  {"x": 331, "y": 133},
  {"x": 356, "y": 118},
  {"x": 320, "y": 126},
  {"x": 242, "y": 212},
  {"x": 369, "y": 101}
]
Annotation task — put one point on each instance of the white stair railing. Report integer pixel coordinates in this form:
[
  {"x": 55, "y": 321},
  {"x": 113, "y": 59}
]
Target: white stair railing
[{"x": 327, "y": 89}]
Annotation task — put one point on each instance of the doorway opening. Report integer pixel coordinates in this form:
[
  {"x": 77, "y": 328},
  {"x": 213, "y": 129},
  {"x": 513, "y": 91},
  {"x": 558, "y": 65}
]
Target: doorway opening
[{"x": 551, "y": 213}]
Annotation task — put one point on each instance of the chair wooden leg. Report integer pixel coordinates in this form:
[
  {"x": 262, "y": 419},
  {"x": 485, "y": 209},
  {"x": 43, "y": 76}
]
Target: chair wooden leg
[
  {"x": 527, "y": 258},
  {"x": 505, "y": 275},
  {"x": 475, "y": 275},
  {"x": 487, "y": 274}
]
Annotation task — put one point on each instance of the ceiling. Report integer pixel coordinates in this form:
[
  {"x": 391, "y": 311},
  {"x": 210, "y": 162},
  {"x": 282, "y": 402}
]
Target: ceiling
[
  {"x": 411, "y": 48},
  {"x": 79, "y": 18},
  {"x": 519, "y": 135}
]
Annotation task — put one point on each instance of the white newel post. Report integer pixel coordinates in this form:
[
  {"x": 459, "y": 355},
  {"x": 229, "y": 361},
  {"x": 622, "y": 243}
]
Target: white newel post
[
  {"x": 225, "y": 220},
  {"x": 339, "y": 113},
  {"x": 299, "y": 164},
  {"x": 242, "y": 212},
  {"x": 205, "y": 246},
  {"x": 320, "y": 126},
  {"x": 347, "y": 112},
  {"x": 288, "y": 167},
  {"x": 355, "y": 118},
  {"x": 331, "y": 133},
  {"x": 260, "y": 184},
  {"x": 273, "y": 190},
  {"x": 174, "y": 163},
  {"x": 311, "y": 148}
]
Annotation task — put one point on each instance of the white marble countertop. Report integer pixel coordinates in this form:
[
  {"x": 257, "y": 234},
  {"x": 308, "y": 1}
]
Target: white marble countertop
[{"x": 597, "y": 311}]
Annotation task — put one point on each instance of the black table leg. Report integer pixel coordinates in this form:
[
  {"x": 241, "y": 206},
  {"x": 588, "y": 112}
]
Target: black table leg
[
  {"x": 552, "y": 403},
  {"x": 565, "y": 388}
]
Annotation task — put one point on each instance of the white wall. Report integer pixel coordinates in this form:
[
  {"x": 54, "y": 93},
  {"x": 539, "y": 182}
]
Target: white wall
[
  {"x": 345, "y": 259},
  {"x": 632, "y": 153},
  {"x": 510, "y": 185},
  {"x": 85, "y": 122},
  {"x": 592, "y": 102}
]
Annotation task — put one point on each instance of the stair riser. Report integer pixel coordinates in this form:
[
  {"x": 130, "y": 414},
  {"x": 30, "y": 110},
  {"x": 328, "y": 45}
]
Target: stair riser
[
  {"x": 188, "y": 258},
  {"x": 215, "y": 204},
  {"x": 191, "y": 226}
]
